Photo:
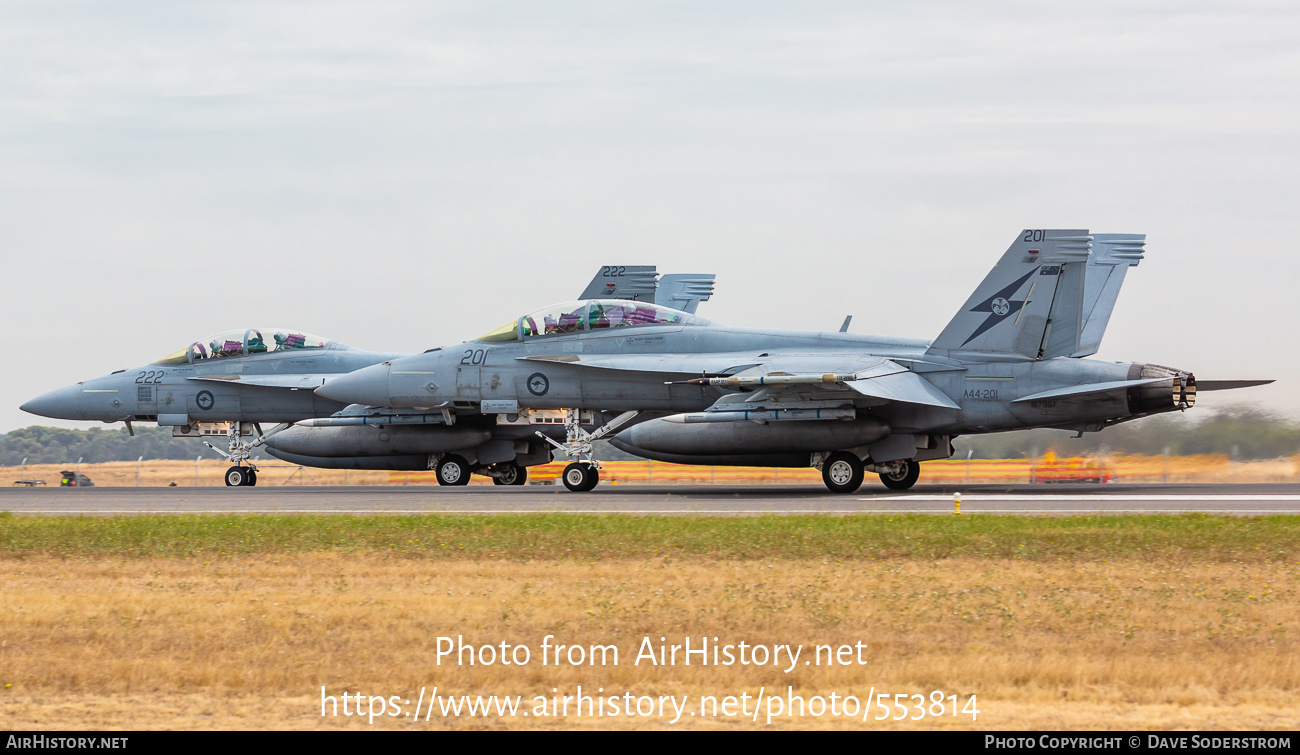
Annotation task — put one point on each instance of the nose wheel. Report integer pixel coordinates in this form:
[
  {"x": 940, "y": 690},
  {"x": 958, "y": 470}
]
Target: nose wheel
[
  {"x": 241, "y": 477},
  {"x": 580, "y": 478}
]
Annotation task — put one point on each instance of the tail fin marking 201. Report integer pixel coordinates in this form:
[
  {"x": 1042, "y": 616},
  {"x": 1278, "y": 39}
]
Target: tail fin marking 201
[{"x": 1030, "y": 304}]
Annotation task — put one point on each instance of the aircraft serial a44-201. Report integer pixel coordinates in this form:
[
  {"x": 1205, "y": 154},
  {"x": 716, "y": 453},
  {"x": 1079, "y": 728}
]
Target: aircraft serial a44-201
[
  {"x": 228, "y": 384},
  {"x": 665, "y": 384}
]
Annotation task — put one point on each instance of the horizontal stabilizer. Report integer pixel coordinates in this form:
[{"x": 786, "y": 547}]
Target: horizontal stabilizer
[
  {"x": 1228, "y": 385},
  {"x": 905, "y": 387},
  {"x": 293, "y": 382},
  {"x": 1076, "y": 391}
]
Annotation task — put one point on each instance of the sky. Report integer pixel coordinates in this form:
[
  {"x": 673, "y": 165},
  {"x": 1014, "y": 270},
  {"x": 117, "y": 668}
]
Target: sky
[{"x": 404, "y": 175}]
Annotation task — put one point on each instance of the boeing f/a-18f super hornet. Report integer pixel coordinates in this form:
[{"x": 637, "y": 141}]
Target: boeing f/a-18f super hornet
[
  {"x": 230, "y": 383},
  {"x": 680, "y": 388}
]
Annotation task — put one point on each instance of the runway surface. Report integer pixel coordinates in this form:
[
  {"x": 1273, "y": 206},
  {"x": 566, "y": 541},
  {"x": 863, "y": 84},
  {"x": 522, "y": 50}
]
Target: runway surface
[{"x": 661, "y": 499}]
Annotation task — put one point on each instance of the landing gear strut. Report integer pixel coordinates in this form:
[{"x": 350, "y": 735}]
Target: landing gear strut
[
  {"x": 583, "y": 474},
  {"x": 244, "y": 473}
]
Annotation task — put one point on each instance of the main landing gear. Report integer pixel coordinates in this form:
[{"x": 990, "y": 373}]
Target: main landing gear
[
  {"x": 902, "y": 474},
  {"x": 843, "y": 472},
  {"x": 243, "y": 474},
  {"x": 583, "y": 474},
  {"x": 508, "y": 473},
  {"x": 452, "y": 470}
]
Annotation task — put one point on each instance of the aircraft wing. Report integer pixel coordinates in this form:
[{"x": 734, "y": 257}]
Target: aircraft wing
[
  {"x": 883, "y": 379},
  {"x": 903, "y": 387},
  {"x": 360, "y": 414}
]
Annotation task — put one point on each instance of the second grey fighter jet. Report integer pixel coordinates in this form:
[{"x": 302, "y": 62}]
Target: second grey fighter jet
[
  {"x": 666, "y": 384},
  {"x": 228, "y": 384}
]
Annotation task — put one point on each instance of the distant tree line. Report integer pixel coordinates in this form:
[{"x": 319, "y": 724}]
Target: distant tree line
[
  {"x": 1242, "y": 432},
  {"x": 56, "y": 445}
]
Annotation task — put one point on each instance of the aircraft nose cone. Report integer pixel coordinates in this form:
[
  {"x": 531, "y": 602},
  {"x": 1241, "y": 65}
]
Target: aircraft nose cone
[
  {"x": 368, "y": 386},
  {"x": 64, "y": 403}
]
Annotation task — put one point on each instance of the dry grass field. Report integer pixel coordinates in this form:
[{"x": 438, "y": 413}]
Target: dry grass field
[
  {"x": 1121, "y": 622},
  {"x": 208, "y": 473}
]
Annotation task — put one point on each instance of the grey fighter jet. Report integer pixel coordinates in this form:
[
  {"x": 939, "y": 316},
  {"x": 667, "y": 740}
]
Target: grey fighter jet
[
  {"x": 666, "y": 384},
  {"x": 228, "y": 384}
]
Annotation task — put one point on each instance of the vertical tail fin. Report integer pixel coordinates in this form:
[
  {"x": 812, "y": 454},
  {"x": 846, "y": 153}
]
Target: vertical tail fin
[
  {"x": 1112, "y": 255},
  {"x": 1031, "y": 304},
  {"x": 635, "y": 282}
]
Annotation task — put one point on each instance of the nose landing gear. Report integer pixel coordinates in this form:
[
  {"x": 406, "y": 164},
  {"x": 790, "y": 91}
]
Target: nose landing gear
[
  {"x": 583, "y": 474},
  {"x": 580, "y": 478},
  {"x": 241, "y": 477},
  {"x": 243, "y": 474}
]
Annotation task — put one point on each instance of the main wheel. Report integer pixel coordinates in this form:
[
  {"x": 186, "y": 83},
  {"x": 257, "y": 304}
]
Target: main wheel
[
  {"x": 580, "y": 477},
  {"x": 904, "y": 479},
  {"x": 236, "y": 477},
  {"x": 453, "y": 470},
  {"x": 842, "y": 472},
  {"x": 510, "y": 474},
  {"x": 252, "y": 477}
]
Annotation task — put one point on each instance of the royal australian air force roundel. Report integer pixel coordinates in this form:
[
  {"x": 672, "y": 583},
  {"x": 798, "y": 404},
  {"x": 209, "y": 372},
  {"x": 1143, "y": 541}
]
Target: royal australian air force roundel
[{"x": 538, "y": 384}]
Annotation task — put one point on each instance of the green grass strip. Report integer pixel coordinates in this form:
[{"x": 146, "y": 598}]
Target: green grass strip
[{"x": 1198, "y": 537}]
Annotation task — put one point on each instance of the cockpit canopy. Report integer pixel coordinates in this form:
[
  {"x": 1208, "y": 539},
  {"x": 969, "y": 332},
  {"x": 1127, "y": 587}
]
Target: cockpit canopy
[
  {"x": 593, "y": 314},
  {"x": 237, "y": 343}
]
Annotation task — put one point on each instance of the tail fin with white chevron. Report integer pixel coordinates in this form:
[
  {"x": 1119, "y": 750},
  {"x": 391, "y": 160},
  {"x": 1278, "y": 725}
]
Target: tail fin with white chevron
[{"x": 1050, "y": 295}]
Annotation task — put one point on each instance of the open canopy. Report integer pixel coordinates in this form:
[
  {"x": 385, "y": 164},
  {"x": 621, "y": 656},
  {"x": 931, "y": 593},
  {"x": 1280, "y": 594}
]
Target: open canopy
[
  {"x": 236, "y": 343},
  {"x": 593, "y": 314}
]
